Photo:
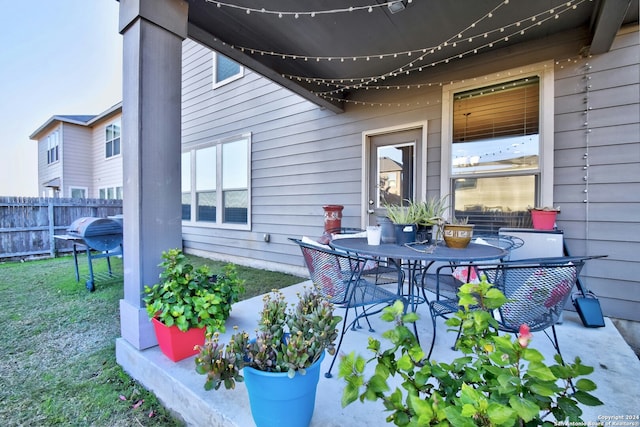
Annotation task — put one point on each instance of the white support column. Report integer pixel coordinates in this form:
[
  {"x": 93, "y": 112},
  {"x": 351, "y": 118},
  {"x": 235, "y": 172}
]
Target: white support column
[{"x": 153, "y": 32}]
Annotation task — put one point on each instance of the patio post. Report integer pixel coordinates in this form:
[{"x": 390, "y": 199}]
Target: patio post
[{"x": 153, "y": 31}]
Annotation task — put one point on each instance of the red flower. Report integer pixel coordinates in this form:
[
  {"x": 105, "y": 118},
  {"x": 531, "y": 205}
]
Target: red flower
[{"x": 524, "y": 336}]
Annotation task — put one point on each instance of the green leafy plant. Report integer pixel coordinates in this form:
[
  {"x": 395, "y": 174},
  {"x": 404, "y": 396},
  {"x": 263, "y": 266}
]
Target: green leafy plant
[
  {"x": 459, "y": 221},
  {"x": 289, "y": 339},
  {"x": 431, "y": 211},
  {"x": 190, "y": 297},
  {"x": 499, "y": 381},
  {"x": 545, "y": 208},
  {"x": 402, "y": 214}
]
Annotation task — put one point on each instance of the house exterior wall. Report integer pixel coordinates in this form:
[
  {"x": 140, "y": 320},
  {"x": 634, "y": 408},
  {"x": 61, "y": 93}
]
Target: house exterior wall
[
  {"x": 76, "y": 167},
  {"x": 107, "y": 172},
  {"x": 304, "y": 157},
  {"x": 605, "y": 219},
  {"x": 48, "y": 172}
]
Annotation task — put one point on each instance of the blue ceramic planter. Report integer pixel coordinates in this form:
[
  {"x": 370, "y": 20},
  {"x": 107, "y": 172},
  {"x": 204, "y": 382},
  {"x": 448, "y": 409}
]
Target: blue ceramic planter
[
  {"x": 405, "y": 233},
  {"x": 277, "y": 400}
]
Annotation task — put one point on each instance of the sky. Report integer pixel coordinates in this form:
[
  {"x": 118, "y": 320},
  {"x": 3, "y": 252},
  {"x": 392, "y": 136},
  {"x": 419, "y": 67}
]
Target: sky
[{"x": 57, "y": 57}]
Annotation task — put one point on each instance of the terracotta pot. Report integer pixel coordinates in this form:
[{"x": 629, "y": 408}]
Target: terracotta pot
[
  {"x": 457, "y": 235},
  {"x": 332, "y": 218}
]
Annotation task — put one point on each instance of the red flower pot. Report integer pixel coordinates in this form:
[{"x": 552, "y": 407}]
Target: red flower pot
[
  {"x": 543, "y": 220},
  {"x": 176, "y": 344}
]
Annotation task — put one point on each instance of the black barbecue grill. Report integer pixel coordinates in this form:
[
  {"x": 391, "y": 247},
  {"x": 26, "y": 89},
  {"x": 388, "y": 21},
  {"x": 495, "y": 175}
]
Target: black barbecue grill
[{"x": 102, "y": 238}]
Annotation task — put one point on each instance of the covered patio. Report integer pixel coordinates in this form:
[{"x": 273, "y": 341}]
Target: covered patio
[{"x": 330, "y": 66}]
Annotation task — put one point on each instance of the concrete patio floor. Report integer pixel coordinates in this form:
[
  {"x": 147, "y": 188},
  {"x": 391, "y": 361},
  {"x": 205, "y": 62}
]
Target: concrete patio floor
[{"x": 180, "y": 388}]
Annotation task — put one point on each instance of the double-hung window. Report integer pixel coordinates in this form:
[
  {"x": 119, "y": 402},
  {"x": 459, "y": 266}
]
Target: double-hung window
[
  {"x": 215, "y": 183},
  {"x": 225, "y": 70},
  {"x": 111, "y": 193},
  {"x": 499, "y": 149},
  {"x": 112, "y": 138},
  {"x": 53, "y": 147}
]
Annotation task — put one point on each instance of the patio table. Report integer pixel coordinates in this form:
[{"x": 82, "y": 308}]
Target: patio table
[{"x": 418, "y": 258}]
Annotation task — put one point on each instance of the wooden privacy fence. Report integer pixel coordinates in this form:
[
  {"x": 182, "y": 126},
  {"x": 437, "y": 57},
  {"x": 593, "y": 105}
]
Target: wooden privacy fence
[{"x": 28, "y": 224}]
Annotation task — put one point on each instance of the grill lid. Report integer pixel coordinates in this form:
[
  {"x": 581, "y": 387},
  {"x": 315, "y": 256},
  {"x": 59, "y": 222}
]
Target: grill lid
[
  {"x": 98, "y": 233},
  {"x": 90, "y": 226}
]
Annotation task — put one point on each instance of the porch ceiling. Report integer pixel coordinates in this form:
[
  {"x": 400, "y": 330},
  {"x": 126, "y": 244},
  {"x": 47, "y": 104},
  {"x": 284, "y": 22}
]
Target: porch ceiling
[{"x": 328, "y": 56}]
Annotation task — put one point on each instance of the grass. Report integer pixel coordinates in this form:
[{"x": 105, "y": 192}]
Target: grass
[{"x": 57, "y": 361}]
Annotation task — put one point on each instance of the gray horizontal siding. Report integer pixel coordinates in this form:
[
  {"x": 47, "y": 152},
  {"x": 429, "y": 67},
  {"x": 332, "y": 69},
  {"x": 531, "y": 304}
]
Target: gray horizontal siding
[{"x": 304, "y": 157}]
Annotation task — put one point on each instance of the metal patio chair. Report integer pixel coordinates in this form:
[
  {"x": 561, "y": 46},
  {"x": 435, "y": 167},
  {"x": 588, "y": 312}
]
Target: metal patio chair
[
  {"x": 537, "y": 291},
  {"x": 338, "y": 277},
  {"x": 381, "y": 271},
  {"x": 448, "y": 281}
]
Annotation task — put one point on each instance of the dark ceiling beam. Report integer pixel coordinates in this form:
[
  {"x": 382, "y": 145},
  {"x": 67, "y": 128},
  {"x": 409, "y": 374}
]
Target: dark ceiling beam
[
  {"x": 607, "y": 21},
  {"x": 207, "y": 39}
]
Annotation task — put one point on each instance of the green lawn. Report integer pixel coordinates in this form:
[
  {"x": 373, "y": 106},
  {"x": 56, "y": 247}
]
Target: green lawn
[{"x": 57, "y": 359}]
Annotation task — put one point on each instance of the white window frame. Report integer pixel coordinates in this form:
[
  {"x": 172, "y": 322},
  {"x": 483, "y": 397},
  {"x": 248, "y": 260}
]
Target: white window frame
[
  {"x": 85, "y": 189},
  {"x": 545, "y": 71},
  {"x": 114, "y": 191},
  {"x": 217, "y": 84},
  {"x": 53, "y": 146},
  {"x": 219, "y": 184},
  {"x": 106, "y": 141}
]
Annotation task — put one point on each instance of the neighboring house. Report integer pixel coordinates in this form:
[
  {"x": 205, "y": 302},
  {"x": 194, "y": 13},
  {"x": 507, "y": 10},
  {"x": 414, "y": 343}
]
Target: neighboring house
[{"x": 80, "y": 156}]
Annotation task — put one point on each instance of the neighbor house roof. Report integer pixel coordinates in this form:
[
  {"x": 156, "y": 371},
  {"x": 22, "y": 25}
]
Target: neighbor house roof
[{"x": 82, "y": 120}]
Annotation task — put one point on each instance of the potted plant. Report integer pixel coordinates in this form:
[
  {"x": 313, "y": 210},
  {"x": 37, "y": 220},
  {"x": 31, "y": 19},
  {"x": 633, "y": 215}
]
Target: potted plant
[
  {"x": 544, "y": 218},
  {"x": 188, "y": 300},
  {"x": 404, "y": 219},
  {"x": 457, "y": 233},
  {"x": 281, "y": 366},
  {"x": 498, "y": 381},
  {"x": 428, "y": 214}
]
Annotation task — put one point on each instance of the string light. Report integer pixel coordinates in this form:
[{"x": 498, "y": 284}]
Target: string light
[
  {"x": 415, "y": 64},
  {"x": 334, "y": 87},
  {"x": 298, "y": 14},
  {"x": 425, "y": 85},
  {"x": 423, "y": 50},
  {"x": 408, "y": 68},
  {"x": 587, "y": 108}
]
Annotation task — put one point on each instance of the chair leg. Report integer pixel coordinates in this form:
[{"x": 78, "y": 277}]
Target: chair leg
[
  {"x": 344, "y": 331},
  {"x": 433, "y": 336},
  {"x": 556, "y": 345}
]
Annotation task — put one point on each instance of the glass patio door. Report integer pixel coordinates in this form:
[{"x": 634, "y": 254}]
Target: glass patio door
[{"x": 394, "y": 168}]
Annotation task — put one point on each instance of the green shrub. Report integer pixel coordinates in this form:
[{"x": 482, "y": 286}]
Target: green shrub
[
  {"x": 499, "y": 381},
  {"x": 190, "y": 297}
]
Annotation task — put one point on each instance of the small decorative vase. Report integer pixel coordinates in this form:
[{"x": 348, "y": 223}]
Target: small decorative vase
[
  {"x": 277, "y": 400},
  {"x": 387, "y": 232},
  {"x": 332, "y": 218},
  {"x": 177, "y": 344},
  {"x": 457, "y": 236}
]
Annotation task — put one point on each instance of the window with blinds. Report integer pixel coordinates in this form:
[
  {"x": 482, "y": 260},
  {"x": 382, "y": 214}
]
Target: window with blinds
[{"x": 495, "y": 152}]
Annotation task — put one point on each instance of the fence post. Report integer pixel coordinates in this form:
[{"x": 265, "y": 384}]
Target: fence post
[{"x": 52, "y": 240}]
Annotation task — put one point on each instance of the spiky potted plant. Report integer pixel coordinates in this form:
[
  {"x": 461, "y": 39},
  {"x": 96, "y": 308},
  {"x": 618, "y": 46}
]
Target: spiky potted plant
[
  {"x": 281, "y": 366},
  {"x": 429, "y": 213}
]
